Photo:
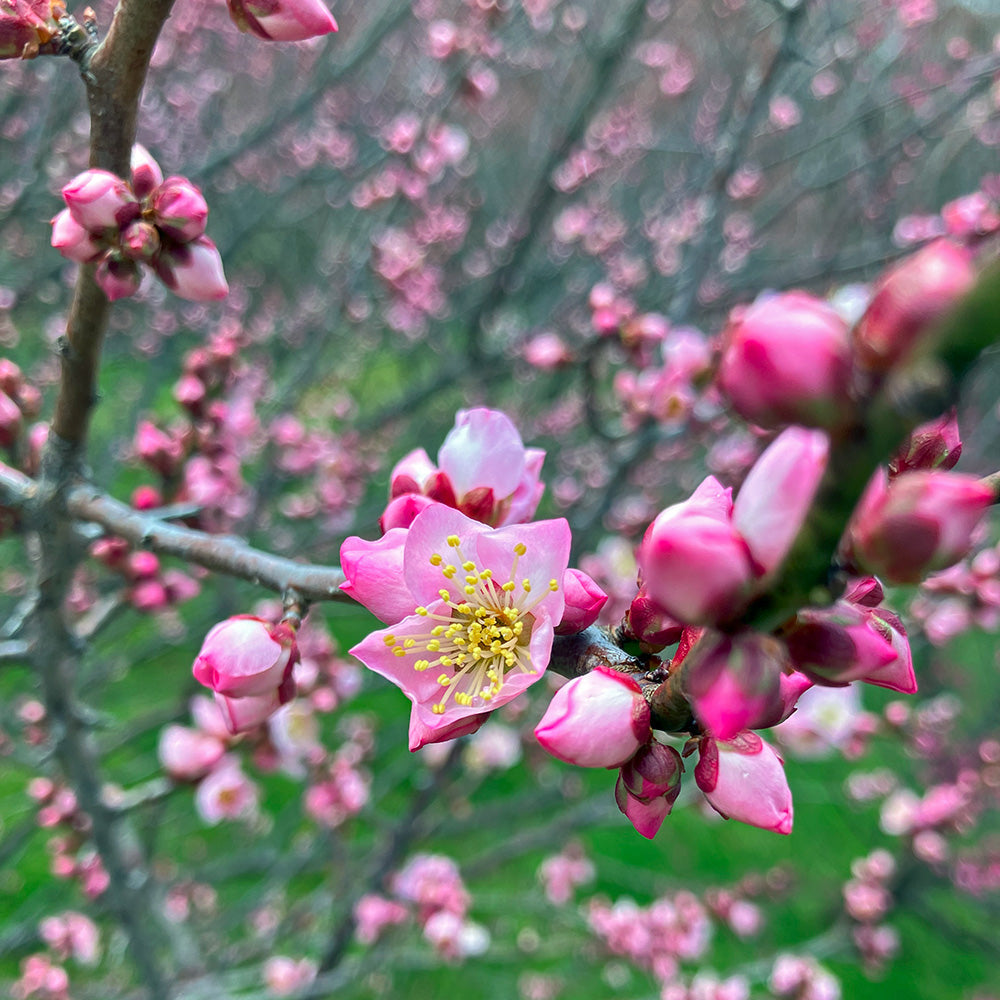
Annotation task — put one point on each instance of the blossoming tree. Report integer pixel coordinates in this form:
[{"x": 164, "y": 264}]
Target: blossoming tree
[{"x": 694, "y": 579}]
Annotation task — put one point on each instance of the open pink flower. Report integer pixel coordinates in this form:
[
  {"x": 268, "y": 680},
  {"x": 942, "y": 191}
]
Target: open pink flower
[
  {"x": 482, "y": 604},
  {"x": 483, "y": 470}
]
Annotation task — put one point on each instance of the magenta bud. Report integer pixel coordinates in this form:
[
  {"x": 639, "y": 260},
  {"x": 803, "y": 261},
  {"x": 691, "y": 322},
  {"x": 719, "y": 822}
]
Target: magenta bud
[
  {"x": 140, "y": 241},
  {"x": 732, "y": 682},
  {"x": 244, "y": 657},
  {"x": 117, "y": 278},
  {"x": 399, "y": 513},
  {"x": 146, "y": 172},
  {"x": 787, "y": 360},
  {"x": 646, "y": 815},
  {"x": 99, "y": 200},
  {"x": 909, "y": 300},
  {"x": 282, "y": 20},
  {"x": 650, "y": 624},
  {"x": 654, "y": 771},
  {"x": 934, "y": 445},
  {"x": 584, "y": 600},
  {"x": 193, "y": 271},
  {"x": 597, "y": 720},
  {"x": 179, "y": 209},
  {"x": 921, "y": 521},
  {"x": 744, "y": 779},
  {"x": 72, "y": 240}
]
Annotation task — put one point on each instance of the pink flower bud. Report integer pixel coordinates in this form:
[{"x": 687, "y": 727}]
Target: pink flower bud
[
  {"x": 733, "y": 681},
  {"x": 920, "y": 522},
  {"x": 179, "y": 209},
  {"x": 146, "y": 172},
  {"x": 934, "y": 445},
  {"x": 647, "y": 814},
  {"x": 245, "y": 656},
  {"x": 118, "y": 279},
  {"x": 650, "y": 624},
  {"x": 787, "y": 360},
  {"x": 909, "y": 300},
  {"x": 400, "y": 513},
  {"x": 193, "y": 271},
  {"x": 10, "y": 420},
  {"x": 244, "y": 714},
  {"x": 188, "y": 754},
  {"x": 695, "y": 564},
  {"x": 159, "y": 450},
  {"x": 99, "y": 200},
  {"x": 584, "y": 600},
  {"x": 72, "y": 240},
  {"x": 140, "y": 241},
  {"x": 597, "y": 720},
  {"x": 653, "y": 772},
  {"x": 282, "y": 20},
  {"x": 744, "y": 779}
]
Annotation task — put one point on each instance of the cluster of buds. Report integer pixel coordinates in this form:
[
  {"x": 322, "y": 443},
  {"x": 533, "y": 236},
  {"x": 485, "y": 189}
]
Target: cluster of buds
[
  {"x": 149, "y": 587},
  {"x": 120, "y": 226},
  {"x": 26, "y": 25},
  {"x": 483, "y": 470}
]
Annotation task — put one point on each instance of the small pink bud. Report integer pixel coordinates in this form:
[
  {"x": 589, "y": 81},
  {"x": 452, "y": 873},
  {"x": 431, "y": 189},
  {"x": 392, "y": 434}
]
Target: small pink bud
[
  {"x": 99, "y": 200},
  {"x": 695, "y": 564},
  {"x": 146, "y": 498},
  {"x": 597, "y": 720},
  {"x": 787, "y": 360},
  {"x": 733, "y": 681},
  {"x": 10, "y": 421},
  {"x": 245, "y": 656},
  {"x": 650, "y": 624},
  {"x": 118, "y": 279},
  {"x": 72, "y": 240},
  {"x": 400, "y": 513},
  {"x": 282, "y": 20},
  {"x": 654, "y": 771},
  {"x": 934, "y": 445},
  {"x": 179, "y": 209},
  {"x": 909, "y": 300},
  {"x": 149, "y": 595},
  {"x": 146, "y": 172},
  {"x": 646, "y": 815},
  {"x": 920, "y": 522},
  {"x": 584, "y": 600},
  {"x": 190, "y": 392},
  {"x": 193, "y": 271},
  {"x": 744, "y": 779},
  {"x": 188, "y": 754},
  {"x": 140, "y": 241}
]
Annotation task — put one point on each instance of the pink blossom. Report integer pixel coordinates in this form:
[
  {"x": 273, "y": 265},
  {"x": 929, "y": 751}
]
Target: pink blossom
[
  {"x": 72, "y": 935},
  {"x": 432, "y": 882},
  {"x": 454, "y": 937},
  {"x": 282, "y": 20},
  {"x": 909, "y": 299},
  {"x": 98, "y": 200},
  {"x": 744, "y": 779},
  {"x": 497, "y": 591},
  {"x": 285, "y": 976},
  {"x": 188, "y": 754},
  {"x": 919, "y": 522},
  {"x": 372, "y": 914},
  {"x": 597, "y": 720},
  {"x": 483, "y": 470},
  {"x": 786, "y": 360},
  {"x": 227, "y": 793}
]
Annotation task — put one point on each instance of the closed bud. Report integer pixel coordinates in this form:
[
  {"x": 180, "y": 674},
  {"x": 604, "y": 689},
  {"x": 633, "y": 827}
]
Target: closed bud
[
  {"x": 140, "y": 241},
  {"x": 786, "y": 360},
  {"x": 907, "y": 302},
  {"x": 650, "y": 624},
  {"x": 117, "y": 278},
  {"x": 99, "y": 201},
  {"x": 72, "y": 240},
  {"x": 193, "y": 271},
  {"x": 732, "y": 682},
  {"x": 597, "y": 720},
  {"x": 934, "y": 445},
  {"x": 654, "y": 771},
  {"x": 282, "y": 20},
  {"x": 744, "y": 779},
  {"x": 920, "y": 522},
  {"x": 584, "y": 600},
  {"x": 179, "y": 209},
  {"x": 146, "y": 172}
]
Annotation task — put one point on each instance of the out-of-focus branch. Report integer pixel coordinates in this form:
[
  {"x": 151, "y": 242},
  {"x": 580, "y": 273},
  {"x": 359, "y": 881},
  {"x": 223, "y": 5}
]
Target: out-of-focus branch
[
  {"x": 221, "y": 553},
  {"x": 16, "y": 489}
]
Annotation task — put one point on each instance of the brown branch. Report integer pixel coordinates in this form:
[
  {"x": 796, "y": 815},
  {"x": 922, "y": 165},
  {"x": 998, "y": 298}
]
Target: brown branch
[{"x": 222, "y": 553}]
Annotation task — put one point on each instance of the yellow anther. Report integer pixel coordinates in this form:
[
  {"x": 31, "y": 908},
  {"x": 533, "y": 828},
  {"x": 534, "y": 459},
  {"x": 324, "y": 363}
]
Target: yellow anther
[
  {"x": 423, "y": 612},
  {"x": 389, "y": 640},
  {"x": 436, "y": 559},
  {"x": 437, "y": 630},
  {"x": 469, "y": 589},
  {"x": 553, "y": 584},
  {"x": 449, "y": 571},
  {"x": 444, "y": 594},
  {"x": 526, "y": 584},
  {"x": 399, "y": 651},
  {"x": 468, "y": 565},
  {"x": 421, "y": 665},
  {"x": 487, "y": 574},
  {"x": 508, "y": 586},
  {"x": 433, "y": 646},
  {"x": 446, "y": 661},
  {"x": 444, "y": 680},
  {"x": 520, "y": 548},
  {"x": 409, "y": 643},
  {"x": 465, "y": 608},
  {"x": 438, "y": 709},
  {"x": 454, "y": 541}
]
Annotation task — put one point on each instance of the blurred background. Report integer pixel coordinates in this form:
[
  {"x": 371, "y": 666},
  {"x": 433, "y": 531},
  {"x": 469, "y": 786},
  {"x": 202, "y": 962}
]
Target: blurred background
[{"x": 548, "y": 208}]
